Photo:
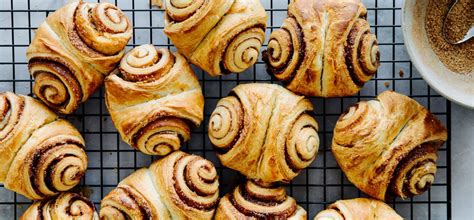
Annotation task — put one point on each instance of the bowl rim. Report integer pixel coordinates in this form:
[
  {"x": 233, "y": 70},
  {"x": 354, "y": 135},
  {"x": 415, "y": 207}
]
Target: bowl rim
[{"x": 419, "y": 66}]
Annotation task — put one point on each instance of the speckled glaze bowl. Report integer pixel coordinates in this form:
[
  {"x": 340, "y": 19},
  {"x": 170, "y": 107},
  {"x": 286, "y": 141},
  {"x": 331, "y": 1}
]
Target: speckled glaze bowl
[{"x": 455, "y": 87}]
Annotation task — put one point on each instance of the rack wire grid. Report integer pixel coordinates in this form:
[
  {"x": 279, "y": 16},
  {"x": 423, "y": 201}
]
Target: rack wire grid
[{"x": 111, "y": 160}]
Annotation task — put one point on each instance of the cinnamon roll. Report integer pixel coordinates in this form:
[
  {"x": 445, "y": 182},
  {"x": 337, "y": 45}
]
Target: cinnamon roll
[
  {"x": 388, "y": 147},
  {"x": 256, "y": 200},
  {"x": 178, "y": 186},
  {"x": 219, "y": 36},
  {"x": 324, "y": 48},
  {"x": 64, "y": 206},
  {"x": 265, "y": 132},
  {"x": 41, "y": 154},
  {"x": 73, "y": 50},
  {"x": 154, "y": 99},
  {"x": 360, "y": 208}
]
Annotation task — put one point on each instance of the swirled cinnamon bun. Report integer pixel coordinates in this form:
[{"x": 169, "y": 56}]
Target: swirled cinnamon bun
[
  {"x": 64, "y": 206},
  {"x": 388, "y": 147},
  {"x": 178, "y": 186},
  {"x": 256, "y": 200},
  {"x": 324, "y": 48},
  {"x": 360, "y": 208},
  {"x": 154, "y": 99},
  {"x": 265, "y": 132},
  {"x": 41, "y": 154},
  {"x": 74, "y": 49},
  {"x": 219, "y": 36}
]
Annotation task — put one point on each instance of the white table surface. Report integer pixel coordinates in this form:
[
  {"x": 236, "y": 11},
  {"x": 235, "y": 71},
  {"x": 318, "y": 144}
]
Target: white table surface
[{"x": 462, "y": 162}]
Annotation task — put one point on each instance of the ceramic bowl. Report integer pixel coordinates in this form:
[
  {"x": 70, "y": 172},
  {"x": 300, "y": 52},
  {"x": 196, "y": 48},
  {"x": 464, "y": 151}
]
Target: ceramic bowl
[{"x": 456, "y": 87}]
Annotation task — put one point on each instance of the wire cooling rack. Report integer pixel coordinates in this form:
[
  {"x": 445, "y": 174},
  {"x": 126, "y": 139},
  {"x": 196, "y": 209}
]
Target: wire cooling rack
[{"x": 111, "y": 160}]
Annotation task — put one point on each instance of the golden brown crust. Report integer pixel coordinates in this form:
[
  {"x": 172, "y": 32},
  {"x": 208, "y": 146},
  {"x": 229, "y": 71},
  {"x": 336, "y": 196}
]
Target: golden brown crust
[
  {"x": 253, "y": 200},
  {"x": 324, "y": 48},
  {"x": 360, "y": 208},
  {"x": 154, "y": 100},
  {"x": 388, "y": 146},
  {"x": 179, "y": 186},
  {"x": 63, "y": 206},
  {"x": 219, "y": 36},
  {"x": 42, "y": 155},
  {"x": 264, "y": 131},
  {"x": 73, "y": 50}
]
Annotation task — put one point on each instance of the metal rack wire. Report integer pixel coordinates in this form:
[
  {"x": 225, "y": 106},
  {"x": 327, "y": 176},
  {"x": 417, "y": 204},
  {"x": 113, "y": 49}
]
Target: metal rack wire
[{"x": 111, "y": 160}]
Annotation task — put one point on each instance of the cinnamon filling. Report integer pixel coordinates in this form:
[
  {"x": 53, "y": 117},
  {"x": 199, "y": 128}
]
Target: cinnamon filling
[
  {"x": 193, "y": 186},
  {"x": 140, "y": 203},
  {"x": 49, "y": 172},
  {"x": 157, "y": 123},
  {"x": 287, "y": 156},
  {"x": 280, "y": 215},
  {"x": 36, "y": 160},
  {"x": 64, "y": 74},
  {"x": 348, "y": 50},
  {"x": 221, "y": 63},
  {"x": 40, "y": 209},
  {"x": 10, "y": 107},
  {"x": 189, "y": 201},
  {"x": 76, "y": 197},
  {"x": 266, "y": 55},
  {"x": 419, "y": 152},
  {"x": 177, "y": 19},
  {"x": 241, "y": 119},
  {"x": 78, "y": 42},
  {"x": 143, "y": 65}
]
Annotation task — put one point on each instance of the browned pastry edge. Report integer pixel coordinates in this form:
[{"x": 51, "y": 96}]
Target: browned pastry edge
[
  {"x": 358, "y": 208},
  {"x": 73, "y": 50},
  {"x": 176, "y": 186},
  {"x": 265, "y": 127},
  {"x": 43, "y": 155},
  {"x": 65, "y": 73},
  {"x": 154, "y": 99},
  {"x": 388, "y": 147},
  {"x": 266, "y": 54},
  {"x": 55, "y": 208},
  {"x": 326, "y": 73},
  {"x": 257, "y": 200}
]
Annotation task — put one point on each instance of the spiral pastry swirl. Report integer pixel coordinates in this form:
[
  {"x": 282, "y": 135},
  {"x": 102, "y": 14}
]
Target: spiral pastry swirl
[
  {"x": 264, "y": 131},
  {"x": 55, "y": 85},
  {"x": 359, "y": 208},
  {"x": 226, "y": 123},
  {"x": 395, "y": 141},
  {"x": 416, "y": 172},
  {"x": 73, "y": 50},
  {"x": 154, "y": 100},
  {"x": 323, "y": 48},
  {"x": 103, "y": 27},
  {"x": 285, "y": 50},
  {"x": 42, "y": 155},
  {"x": 63, "y": 206},
  {"x": 178, "y": 186},
  {"x": 255, "y": 200},
  {"x": 146, "y": 63},
  {"x": 362, "y": 52},
  {"x": 219, "y": 36}
]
